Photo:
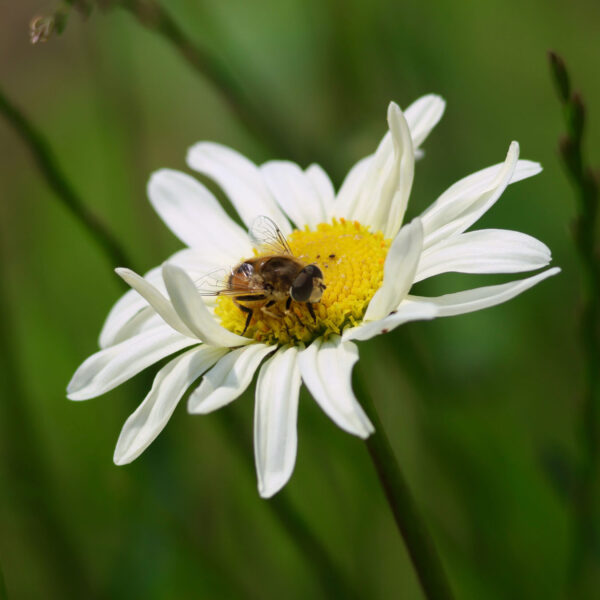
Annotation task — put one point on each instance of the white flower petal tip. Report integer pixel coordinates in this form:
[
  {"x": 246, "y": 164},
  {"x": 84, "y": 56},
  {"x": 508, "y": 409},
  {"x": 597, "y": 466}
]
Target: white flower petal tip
[
  {"x": 228, "y": 379},
  {"x": 468, "y": 199},
  {"x": 170, "y": 384},
  {"x": 275, "y": 417},
  {"x": 398, "y": 271},
  {"x": 326, "y": 369},
  {"x": 476, "y": 299},
  {"x": 193, "y": 313},
  {"x": 423, "y": 115},
  {"x": 406, "y": 312}
]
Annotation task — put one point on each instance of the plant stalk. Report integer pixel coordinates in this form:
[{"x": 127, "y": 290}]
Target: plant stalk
[
  {"x": 257, "y": 118},
  {"x": 585, "y": 560},
  {"x": 60, "y": 185},
  {"x": 411, "y": 525}
]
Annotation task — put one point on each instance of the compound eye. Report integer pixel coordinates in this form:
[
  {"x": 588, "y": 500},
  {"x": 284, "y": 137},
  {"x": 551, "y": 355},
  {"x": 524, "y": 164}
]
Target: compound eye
[
  {"x": 302, "y": 287},
  {"x": 313, "y": 271}
]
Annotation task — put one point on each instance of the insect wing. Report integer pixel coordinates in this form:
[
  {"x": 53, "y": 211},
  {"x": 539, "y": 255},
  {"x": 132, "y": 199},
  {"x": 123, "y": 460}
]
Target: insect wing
[
  {"x": 267, "y": 238},
  {"x": 212, "y": 284},
  {"x": 238, "y": 282}
]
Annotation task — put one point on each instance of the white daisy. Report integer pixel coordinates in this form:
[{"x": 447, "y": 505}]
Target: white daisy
[{"x": 369, "y": 259}]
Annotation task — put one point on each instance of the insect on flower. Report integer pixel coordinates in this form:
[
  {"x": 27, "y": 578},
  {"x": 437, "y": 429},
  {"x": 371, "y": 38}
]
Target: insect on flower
[
  {"x": 272, "y": 280},
  {"x": 318, "y": 271}
]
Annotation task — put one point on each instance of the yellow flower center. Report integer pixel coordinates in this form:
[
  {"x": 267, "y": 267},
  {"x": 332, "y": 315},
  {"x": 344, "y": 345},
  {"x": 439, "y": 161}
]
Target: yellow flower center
[{"x": 351, "y": 259}]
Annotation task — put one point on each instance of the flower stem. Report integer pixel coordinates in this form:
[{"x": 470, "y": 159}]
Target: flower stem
[
  {"x": 417, "y": 539},
  {"x": 254, "y": 115},
  {"x": 586, "y": 186},
  {"x": 58, "y": 182}
]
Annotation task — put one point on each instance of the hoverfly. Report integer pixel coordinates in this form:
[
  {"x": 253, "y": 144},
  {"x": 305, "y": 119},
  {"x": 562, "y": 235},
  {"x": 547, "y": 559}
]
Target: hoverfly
[{"x": 273, "y": 279}]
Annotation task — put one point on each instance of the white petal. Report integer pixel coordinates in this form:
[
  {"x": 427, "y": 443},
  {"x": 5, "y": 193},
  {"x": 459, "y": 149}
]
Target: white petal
[
  {"x": 423, "y": 115},
  {"x": 326, "y": 369},
  {"x": 170, "y": 384},
  {"x": 349, "y": 194},
  {"x": 193, "y": 312},
  {"x": 484, "y": 251},
  {"x": 196, "y": 217},
  {"x": 126, "y": 307},
  {"x": 112, "y": 366},
  {"x": 398, "y": 271},
  {"x": 275, "y": 417},
  {"x": 483, "y": 297},
  {"x": 228, "y": 379},
  {"x": 323, "y": 185},
  {"x": 294, "y": 192},
  {"x": 405, "y": 158},
  {"x": 407, "y": 311},
  {"x": 156, "y": 300},
  {"x": 378, "y": 195},
  {"x": 131, "y": 312},
  {"x": 468, "y": 199},
  {"x": 392, "y": 204},
  {"x": 365, "y": 179},
  {"x": 240, "y": 179},
  {"x": 377, "y": 184}
]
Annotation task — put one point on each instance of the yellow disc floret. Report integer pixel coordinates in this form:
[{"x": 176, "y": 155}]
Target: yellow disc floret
[{"x": 351, "y": 259}]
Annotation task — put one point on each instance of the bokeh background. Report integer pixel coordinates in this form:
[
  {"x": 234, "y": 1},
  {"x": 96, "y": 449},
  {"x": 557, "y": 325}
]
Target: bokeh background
[{"x": 483, "y": 410}]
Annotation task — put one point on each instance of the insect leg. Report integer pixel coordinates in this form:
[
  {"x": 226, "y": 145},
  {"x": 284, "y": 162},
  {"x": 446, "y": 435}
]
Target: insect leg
[
  {"x": 248, "y": 312},
  {"x": 250, "y": 298},
  {"x": 265, "y": 310},
  {"x": 311, "y": 310}
]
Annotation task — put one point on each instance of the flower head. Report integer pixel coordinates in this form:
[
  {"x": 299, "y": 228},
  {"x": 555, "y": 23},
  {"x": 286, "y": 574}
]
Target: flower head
[{"x": 357, "y": 241}]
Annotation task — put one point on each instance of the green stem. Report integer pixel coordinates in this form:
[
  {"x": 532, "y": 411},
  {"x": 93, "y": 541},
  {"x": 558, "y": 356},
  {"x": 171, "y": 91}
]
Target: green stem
[
  {"x": 58, "y": 182},
  {"x": 586, "y": 186},
  {"x": 257, "y": 118},
  {"x": 417, "y": 539}
]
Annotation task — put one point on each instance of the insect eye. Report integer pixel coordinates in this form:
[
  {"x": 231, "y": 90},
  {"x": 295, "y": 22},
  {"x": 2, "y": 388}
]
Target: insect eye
[
  {"x": 302, "y": 287},
  {"x": 313, "y": 271}
]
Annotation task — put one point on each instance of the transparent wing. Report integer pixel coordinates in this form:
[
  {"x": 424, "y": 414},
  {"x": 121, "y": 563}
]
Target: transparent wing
[
  {"x": 267, "y": 237},
  {"x": 218, "y": 283},
  {"x": 213, "y": 283}
]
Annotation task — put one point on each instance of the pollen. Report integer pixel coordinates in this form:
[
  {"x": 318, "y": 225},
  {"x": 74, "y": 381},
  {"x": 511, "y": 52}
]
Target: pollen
[{"x": 351, "y": 259}]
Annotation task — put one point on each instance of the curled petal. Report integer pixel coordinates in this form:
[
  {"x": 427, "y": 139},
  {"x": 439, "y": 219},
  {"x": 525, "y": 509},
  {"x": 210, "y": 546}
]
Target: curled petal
[{"x": 193, "y": 313}]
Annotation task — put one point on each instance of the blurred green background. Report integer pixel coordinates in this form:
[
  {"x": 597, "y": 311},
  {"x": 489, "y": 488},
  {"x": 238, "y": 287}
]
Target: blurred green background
[{"x": 483, "y": 410}]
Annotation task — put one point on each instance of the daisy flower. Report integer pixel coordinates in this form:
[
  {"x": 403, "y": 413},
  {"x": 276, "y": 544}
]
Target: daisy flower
[{"x": 369, "y": 259}]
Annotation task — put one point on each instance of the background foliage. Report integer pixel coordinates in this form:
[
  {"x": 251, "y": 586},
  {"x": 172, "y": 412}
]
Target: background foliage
[{"x": 483, "y": 410}]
